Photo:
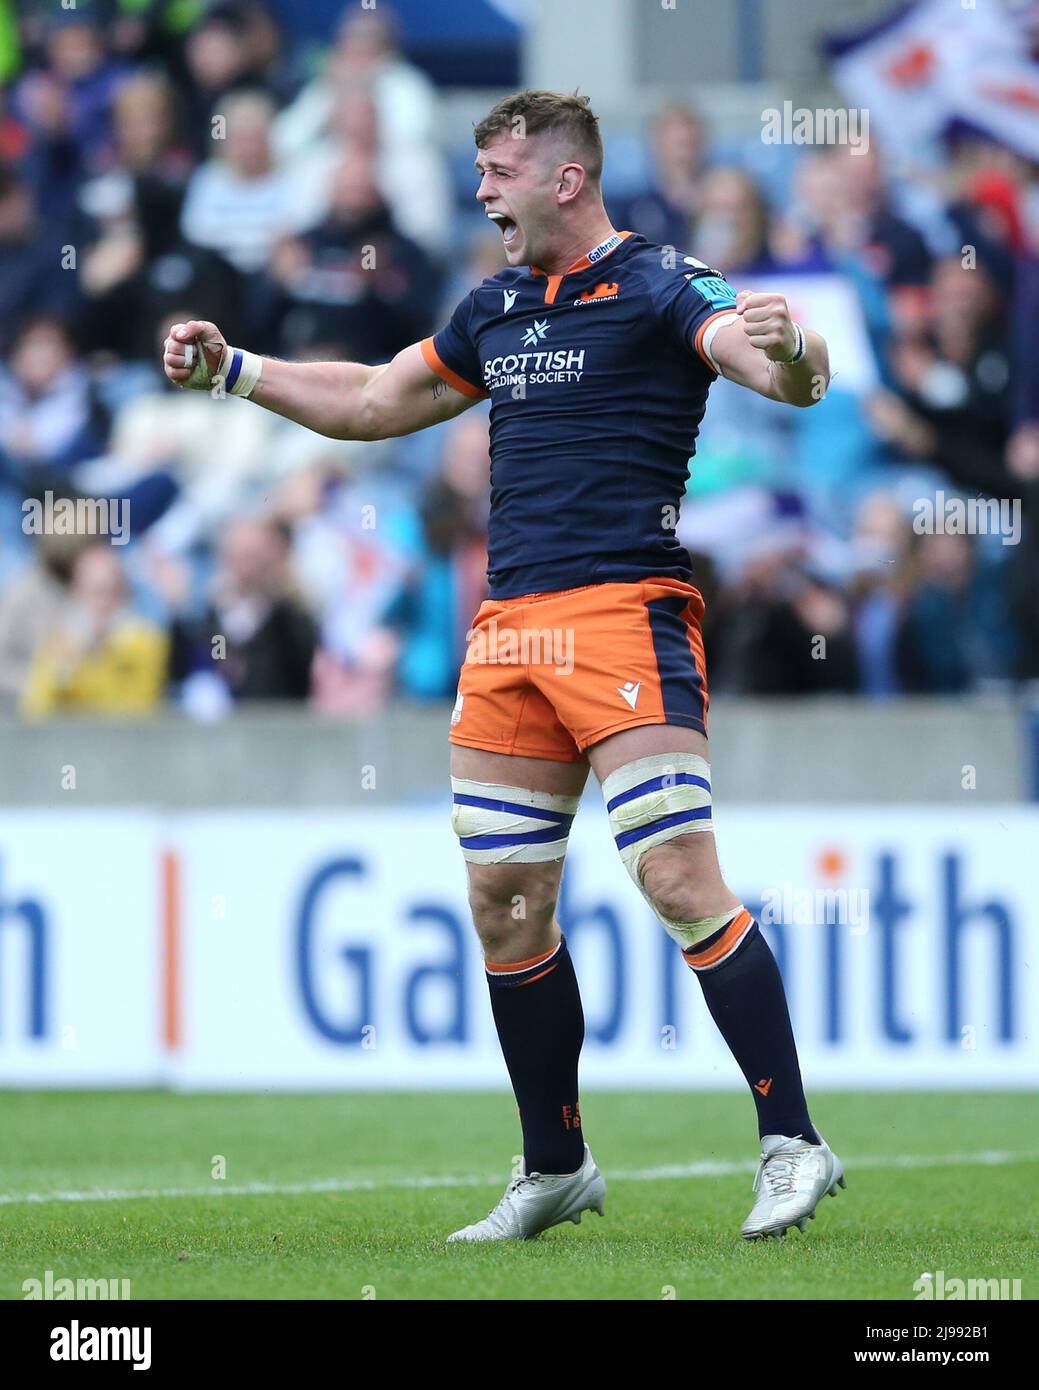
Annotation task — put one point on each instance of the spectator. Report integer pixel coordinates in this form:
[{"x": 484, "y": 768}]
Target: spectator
[
  {"x": 355, "y": 276},
  {"x": 137, "y": 269},
  {"x": 345, "y": 108},
  {"x": 664, "y": 211},
  {"x": 136, "y": 258},
  {"x": 148, "y": 140},
  {"x": 237, "y": 46},
  {"x": 239, "y": 203},
  {"x": 862, "y": 221},
  {"x": 411, "y": 177},
  {"x": 30, "y": 608},
  {"x": 50, "y": 418},
  {"x": 365, "y": 56},
  {"x": 255, "y": 639},
  {"x": 100, "y": 657},
  {"x": 989, "y": 216},
  {"x": 217, "y": 67},
  {"x": 153, "y": 30},
  {"x": 32, "y": 279},
  {"x": 839, "y": 220},
  {"x": 786, "y": 628},
  {"x": 447, "y": 583},
  {"x": 934, "y": 638},
  {"x": 955, "y": 402},
  {"x": 881, "y": 540},
  {"x": 67, "y": 104},
  {"x": 111, "y": 265},
  {"x": 731, "y": 223},
  {"x": 352, "y": 541},
  {"x": 269, "y": 53}
]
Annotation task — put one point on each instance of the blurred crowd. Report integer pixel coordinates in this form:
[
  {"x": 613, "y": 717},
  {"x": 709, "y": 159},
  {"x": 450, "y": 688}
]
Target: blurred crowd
[{"x": 168, "y": 159}]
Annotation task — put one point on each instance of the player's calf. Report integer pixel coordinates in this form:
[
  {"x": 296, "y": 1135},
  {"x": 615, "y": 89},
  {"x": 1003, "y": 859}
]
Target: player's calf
[
  {"x": 660, "y": 811},
  {"x": 514, "y": 841}
]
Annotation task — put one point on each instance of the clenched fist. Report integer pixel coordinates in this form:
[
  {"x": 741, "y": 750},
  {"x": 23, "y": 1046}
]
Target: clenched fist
[
  {"x": 768, "y": 325},
  {"x": 192, "y": 354}
]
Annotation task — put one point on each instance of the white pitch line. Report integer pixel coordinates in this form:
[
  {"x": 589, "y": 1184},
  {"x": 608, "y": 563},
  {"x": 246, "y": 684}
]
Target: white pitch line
[{"x": 708, "y": 1168}]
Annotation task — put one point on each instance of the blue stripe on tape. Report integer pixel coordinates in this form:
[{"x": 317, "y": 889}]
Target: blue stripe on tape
[
  {"x": 655, "y": 784},
  {"x": 529, "y": 837},
  {"x": 234, "y": 371},
  {"x": 629, "y": 837},
  {"x": 514, "y": 808}
]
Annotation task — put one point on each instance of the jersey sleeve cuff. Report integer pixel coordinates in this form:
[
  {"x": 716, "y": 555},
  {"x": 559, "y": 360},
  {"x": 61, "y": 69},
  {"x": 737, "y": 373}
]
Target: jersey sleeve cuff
[
  {"x": 705, "y": 335},
  {"x": 436, "y": 364}
]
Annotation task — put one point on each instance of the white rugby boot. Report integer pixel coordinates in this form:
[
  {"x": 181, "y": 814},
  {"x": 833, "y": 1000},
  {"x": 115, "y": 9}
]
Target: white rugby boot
[
  {"x": 792, "y": 1178},
  {"x": 535, "y": 1201}
]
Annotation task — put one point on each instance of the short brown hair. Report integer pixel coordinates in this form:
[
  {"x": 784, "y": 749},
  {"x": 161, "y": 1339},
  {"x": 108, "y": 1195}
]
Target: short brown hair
[{"x": 532, "y": 113}]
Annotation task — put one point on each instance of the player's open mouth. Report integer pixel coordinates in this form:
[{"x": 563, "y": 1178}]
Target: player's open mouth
[{"x": 505, "y": 225}]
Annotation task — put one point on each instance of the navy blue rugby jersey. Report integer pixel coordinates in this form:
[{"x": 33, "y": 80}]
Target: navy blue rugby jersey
[{"x": 598, "y": 380}]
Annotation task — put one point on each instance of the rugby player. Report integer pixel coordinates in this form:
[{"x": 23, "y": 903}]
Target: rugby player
[{"x": 597, "y": 350}]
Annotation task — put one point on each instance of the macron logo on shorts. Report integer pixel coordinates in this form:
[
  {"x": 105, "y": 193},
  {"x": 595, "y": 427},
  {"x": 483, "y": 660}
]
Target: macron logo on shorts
[{"x": 630, "y": 691}]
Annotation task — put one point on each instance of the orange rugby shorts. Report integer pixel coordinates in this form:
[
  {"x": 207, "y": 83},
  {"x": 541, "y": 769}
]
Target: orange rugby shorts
[{"x": 549, "y": 675}]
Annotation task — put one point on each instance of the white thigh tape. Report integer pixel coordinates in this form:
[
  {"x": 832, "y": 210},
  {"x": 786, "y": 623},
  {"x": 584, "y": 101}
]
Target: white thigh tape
[
  {"x": 655, "y": 799},
  {"x": 509, "y": 825}
]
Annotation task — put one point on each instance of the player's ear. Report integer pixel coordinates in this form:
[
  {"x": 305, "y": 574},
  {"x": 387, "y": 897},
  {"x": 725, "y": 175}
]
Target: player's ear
[{"x": 570, "y": 182}]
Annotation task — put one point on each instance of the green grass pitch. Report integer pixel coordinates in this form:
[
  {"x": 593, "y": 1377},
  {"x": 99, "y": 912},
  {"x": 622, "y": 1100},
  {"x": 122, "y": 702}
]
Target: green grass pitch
[{"x": 350, "y": 1196}]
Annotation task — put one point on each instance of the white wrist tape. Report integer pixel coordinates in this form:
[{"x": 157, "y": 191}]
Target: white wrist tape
[
  {"x": 239, "y": 370},
  {"x": 800, "y": 350}
]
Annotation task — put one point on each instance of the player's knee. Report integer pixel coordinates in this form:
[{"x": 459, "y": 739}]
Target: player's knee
[
  {"x": 513, "y": 908},
  {"x": 504, "y": 895},
  {"x": 655, "y": 805},
  {"x": 673, "y": 888}
]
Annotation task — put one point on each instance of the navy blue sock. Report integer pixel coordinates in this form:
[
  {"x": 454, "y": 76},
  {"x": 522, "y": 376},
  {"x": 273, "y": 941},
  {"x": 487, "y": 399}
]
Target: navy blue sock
[
  {"x": 537, "y": 1011},
  {"x": 744, "y": 992}
]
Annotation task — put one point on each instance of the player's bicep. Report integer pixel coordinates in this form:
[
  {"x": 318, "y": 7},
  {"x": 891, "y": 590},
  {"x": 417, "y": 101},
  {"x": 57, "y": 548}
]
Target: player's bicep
[
  {"x": 738, "y": 360},
  {"x": 407, "y": 394}
]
